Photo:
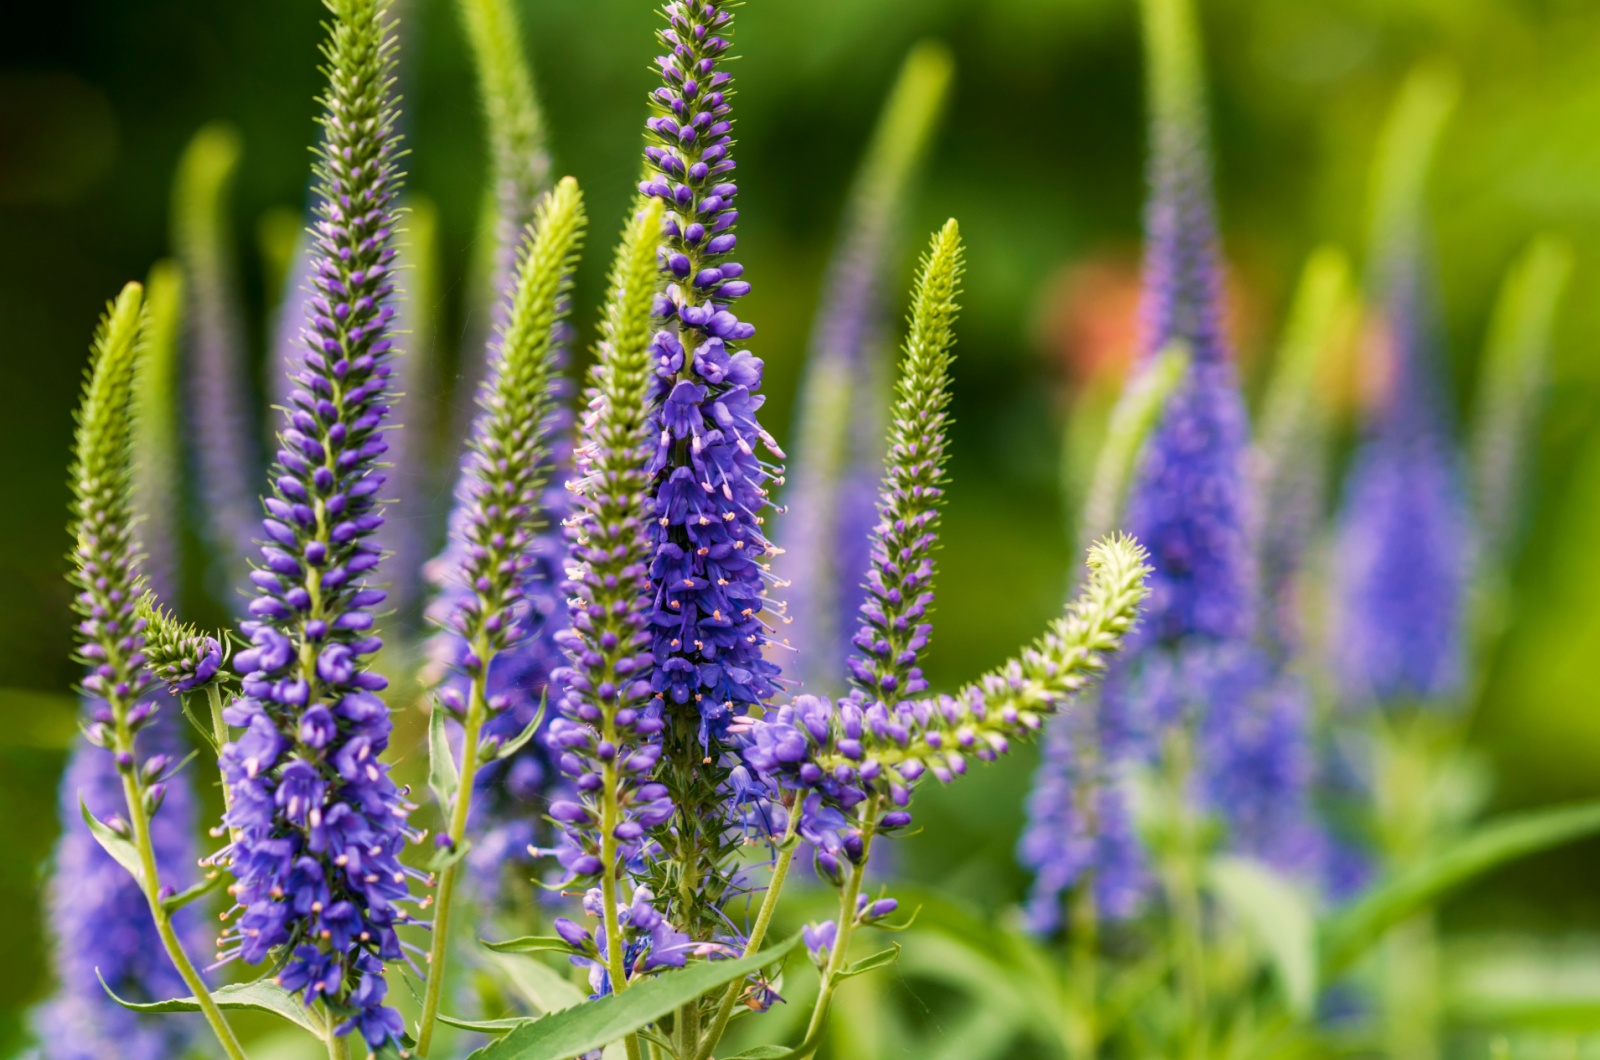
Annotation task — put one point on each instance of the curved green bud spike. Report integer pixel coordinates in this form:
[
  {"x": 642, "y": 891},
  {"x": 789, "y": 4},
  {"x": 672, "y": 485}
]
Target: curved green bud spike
[
  {"x": 1510, "y": 392},
  {"x": 158, "y": 461},
  {"x": 1136, "y": 414},
  {"x": 1405, "y": 154}
]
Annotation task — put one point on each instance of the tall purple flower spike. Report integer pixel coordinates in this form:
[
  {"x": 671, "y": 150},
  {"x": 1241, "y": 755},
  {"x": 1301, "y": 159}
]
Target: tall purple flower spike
[
  {"x": 101, "y": 919},
  {"x": 1403, "y": 549},
  {"x": 319, "y": 823}
]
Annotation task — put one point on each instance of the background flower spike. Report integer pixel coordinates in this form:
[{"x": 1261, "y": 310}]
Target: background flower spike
[
  {"x": 226, "y": 454},
  {"x": 842, "y": 409}
]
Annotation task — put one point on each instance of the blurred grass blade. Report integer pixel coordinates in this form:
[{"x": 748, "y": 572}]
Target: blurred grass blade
[
  {"x": 1280, "y": 920},
  {"x": 1510, "y": 389},
  {"x": 1346, "y": 937}
]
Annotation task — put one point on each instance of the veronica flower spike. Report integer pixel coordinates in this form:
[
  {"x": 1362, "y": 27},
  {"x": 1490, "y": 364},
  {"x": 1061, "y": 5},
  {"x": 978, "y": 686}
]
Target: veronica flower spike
[
  {"x": 503, "y": 479},
  {"x": 111, "y": 634},
  {"x": 608, "y": 734},
  {"x": 711, "y": 483},
  {"x": 320, "y": 824}
]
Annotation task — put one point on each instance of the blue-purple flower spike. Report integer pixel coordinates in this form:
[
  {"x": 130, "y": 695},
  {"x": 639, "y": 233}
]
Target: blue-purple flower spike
[
  {"x": 1402, "y": 560},
  {"x": 319, "y": 823},
  {"x": 711, "y": 484}
]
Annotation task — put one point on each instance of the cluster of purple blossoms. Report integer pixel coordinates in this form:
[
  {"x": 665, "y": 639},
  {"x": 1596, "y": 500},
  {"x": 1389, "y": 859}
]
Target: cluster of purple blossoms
[
  {"x": 101, "y": 918},
  {"x": 650, "y": 943},
  {"x": 318, "y": 824},
  {"x": 710, "y": 482},
  {"x": 1403, "y": 555}
]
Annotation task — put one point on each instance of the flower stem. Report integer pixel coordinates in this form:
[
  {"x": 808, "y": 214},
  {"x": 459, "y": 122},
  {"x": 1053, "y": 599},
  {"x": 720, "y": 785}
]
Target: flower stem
[
  {"x": 133, "y": 792},
  {"x": 219, "y": 730},
  {"x": 610, "y": 814},
  {"x": 1182, "y": 879},
  {"x": 338, "y": 1047},
  {"x": 758, "y": 932},
  {"x": 1083, "y": 1032},
  {"x": 439, "y": 949},
  {"x": 846, "y": 922}
]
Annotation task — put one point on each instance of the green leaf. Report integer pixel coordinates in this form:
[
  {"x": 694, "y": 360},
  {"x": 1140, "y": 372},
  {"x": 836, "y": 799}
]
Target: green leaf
[
  {"x": 518, "y": 741},
  {"x": 263, "y": 995},
  {"x": 444, "y": 857},
  {"x": 764, "y": 1052},
  {"x": 529, "y": 944},
  {"x": 1346, "y": 937},
  {"x": 200, "y": 726},
  {"x": 488, "y": 1026},
  {"x": 119, "y": 847},
  {"x": 200, "y": 890},
  {"x": 589, "y": 1026},
  {"x": 443, "y": 776},
  {"x": 1279, "y": 918},
  {"x": 881, "y": 959},
  {"x": 536, "y": 982}
]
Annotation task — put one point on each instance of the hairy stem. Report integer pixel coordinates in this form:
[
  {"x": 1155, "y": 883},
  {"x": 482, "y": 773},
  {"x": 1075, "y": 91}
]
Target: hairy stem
[
  {"x": 758, "y": 933},
  {"x": 139, "y": 820},
  {"x": 439, "y": 949},
  {"x": 338, "y": 1047},
  {"x": 846, "y": 922}
]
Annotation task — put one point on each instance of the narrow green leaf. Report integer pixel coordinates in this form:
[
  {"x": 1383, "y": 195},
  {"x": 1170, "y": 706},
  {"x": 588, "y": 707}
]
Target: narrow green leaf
[
  {"x": 1346, "y": 937},
  {"x": 119, "y": 847},
  {"x": 518, "y": 741},
  {"x": 881, "y": 959},
  {"x": 263, "y": 995},
  {"x": 529, "y": 944},
  {"x": 444, "y": 779},
  {"x": 199, "y": 723},
  {"x": 1279, "y": 918},
  {"x": 765, "y": 1052},
  {"x": 577, "y": 1030},
  {"x": 200, "y": 890},
  {"x": 488, "y": 1026}
]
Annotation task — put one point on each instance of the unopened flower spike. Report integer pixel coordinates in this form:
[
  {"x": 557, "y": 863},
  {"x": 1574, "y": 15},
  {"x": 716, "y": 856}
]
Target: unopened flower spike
[
  {"x": 893, "y": 628},
  {"x": 837, "y": 462},
  {"x": 490, "y": 570},
  {"x": 117, "y": 687},
  {"x": 319, "y": 824},
  {"x": 227, "y": 456},
  {"x": 710, "y": 486},
  {"x": 178, "y": 655},
  {"x": 609, "y": 733}
]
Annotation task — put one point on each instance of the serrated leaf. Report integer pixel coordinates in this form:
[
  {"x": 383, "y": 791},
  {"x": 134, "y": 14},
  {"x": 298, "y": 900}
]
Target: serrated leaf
[
  {"x": 881, "y": 959},
  {"x": 518, "y": 741},
  {"x": 577, "y": 1030},
  {"x": 263, "y": 995},
  {"x": 198, "y": 891},
  {"x": 1346, "y": 937},
  {"x": 443, "y": 777},
  {"x": 529, "y": 944},
  {"x": 1279, "y": 918},
  {"x": 119, "y": 847}
]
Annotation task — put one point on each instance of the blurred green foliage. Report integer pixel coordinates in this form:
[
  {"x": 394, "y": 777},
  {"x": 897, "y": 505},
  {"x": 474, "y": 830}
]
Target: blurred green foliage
[{"x": 1040, "y": 159}]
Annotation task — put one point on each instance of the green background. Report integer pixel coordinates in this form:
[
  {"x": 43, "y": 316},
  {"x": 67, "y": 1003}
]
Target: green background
[{"x": 1040, "y": 159}]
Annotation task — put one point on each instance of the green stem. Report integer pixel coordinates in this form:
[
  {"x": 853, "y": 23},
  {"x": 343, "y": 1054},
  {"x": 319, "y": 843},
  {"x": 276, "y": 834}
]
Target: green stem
[
  {"x": 338, "y": 1047},
  {"x": 219, "y": 730},
  {"x": 609, "y": 819},
  {"x": 439, "y": 949},
  {"x": 1183, "y": 894},
  {"x": 846, "y": 922},
  {"x": 1084, "y": 1031},
  {"x": 133, "y": 792},
  {"x": 758, "y": 933}
]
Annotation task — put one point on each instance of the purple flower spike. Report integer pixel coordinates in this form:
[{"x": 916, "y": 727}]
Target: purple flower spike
[
  {"x": 1403, "y": 552},
  {"x": 319, "y": 824}
]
